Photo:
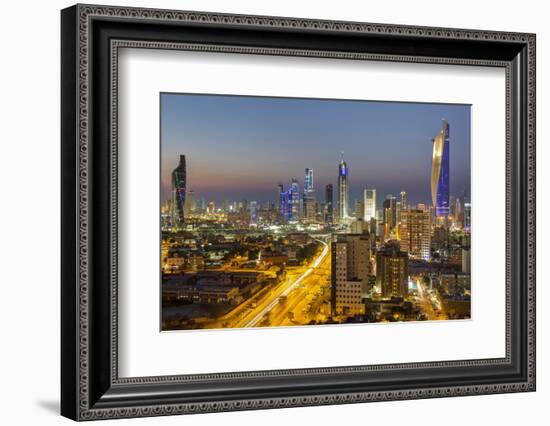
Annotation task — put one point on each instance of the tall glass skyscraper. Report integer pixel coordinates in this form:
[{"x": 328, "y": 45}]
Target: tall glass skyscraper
[
  {"x": 289, "y": 201},
  {"x": 329, "y": 217},
  {"x": 369, "y": 198},
  {"x": 308, "y": 180},
  {"x": 295, "y": 199},
  {"x": 390, "y": 211},
  {"x": 179, "y": 181},
  {"x": 440, "y": 172},
  {"x": 282, "y": 199},
  {"x": 309, "y": 200},
  {"x": 404, "y": 201},
  {"x": 343, "y": 190}
]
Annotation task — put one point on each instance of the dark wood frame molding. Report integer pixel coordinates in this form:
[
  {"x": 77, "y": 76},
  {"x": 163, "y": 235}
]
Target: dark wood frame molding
[{"x": 91, "y": 37}]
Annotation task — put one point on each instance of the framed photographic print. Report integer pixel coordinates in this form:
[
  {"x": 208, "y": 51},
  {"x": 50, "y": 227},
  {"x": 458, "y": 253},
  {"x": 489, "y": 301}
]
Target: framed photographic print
[{"x": 263, "y": 212}]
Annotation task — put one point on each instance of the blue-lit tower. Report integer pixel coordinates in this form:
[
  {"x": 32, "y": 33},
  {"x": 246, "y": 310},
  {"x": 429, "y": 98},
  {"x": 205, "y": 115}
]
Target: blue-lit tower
[
  {"x": 343, "y": 190},
  {"x": 294, "y": 200},
  {"x": 309, "y": 210},
  {"x": 440, "y": 172}
]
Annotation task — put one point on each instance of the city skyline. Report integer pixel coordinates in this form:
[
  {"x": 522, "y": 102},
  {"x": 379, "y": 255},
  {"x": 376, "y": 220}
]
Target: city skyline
[
  {"x": 271, "y": 229},
  {"x": 219, "y": 176}
]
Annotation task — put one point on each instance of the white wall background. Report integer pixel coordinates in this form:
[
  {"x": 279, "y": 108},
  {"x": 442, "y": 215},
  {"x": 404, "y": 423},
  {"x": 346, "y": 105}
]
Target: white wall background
[{"x": 29, "y": 212}]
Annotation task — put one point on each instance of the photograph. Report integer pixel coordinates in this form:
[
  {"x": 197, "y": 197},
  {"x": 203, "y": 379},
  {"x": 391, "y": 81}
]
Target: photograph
[
  {"x": 278, "y": 212},
  {"x": 270, "y": 208}
]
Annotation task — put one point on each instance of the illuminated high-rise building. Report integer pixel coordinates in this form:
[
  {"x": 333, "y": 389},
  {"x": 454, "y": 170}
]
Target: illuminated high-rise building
[
  {"x": 380, "y": 227},
  {"x": 329, "y": 215},
  {"x": 392, "y": 272},
  {"x": 350, "y": 273},
  {"x": 440, "y": 172},
  {"x": 402, "y": 205},
  {"x": 369, "y": 200},
  {"x": 309, "y": 200},
  {"x": 404, "y": 201},
  {"x": 343, "y": 191},
  {"x": 359, "y": 209},
  {"x": 253, "y": 212},
  {"x": 179, "y": 181},
  {"x": 289, "y": 201},
  {"x": 190, "y": 202},
  {"x": 397, "y": 212},
  {"x": 390, "y": 211},
  {"x": 415, "y": 234},
  {"x": 282, "y": 199},
  {"x": 294, "y": 199},
  {"x": 308, "y": 180}
]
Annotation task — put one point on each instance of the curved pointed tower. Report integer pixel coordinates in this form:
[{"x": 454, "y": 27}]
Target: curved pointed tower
[
  {"x": 179, "y": 181},
  {"x": 440, "y": 172}
]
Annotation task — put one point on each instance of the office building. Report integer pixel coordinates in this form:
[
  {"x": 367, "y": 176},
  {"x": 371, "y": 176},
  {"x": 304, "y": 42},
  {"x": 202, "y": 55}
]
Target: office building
[
  {"x": 351, "y": 269},
  {"x": 404, "y": 201},
  {"x": 359, "y": 209},
  {"x": 389, "y": 207},
  {"x": 294, "y": 200},
  {"x": 309, "y": 199},
  {"x": 415, "y": 235},
  {"x": 190, "y": 203},
  {"x": 329, "y": 215},
  {"x": 392, "y": 272},
  {"x": 369, "y": 200}
]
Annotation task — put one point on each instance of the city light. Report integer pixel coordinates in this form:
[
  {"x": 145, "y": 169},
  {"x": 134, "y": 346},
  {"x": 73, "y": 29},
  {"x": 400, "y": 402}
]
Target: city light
[{"x": 307, "y": 254}]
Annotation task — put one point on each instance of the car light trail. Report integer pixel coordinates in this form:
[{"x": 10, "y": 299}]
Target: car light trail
[{"x": 257, "y": 318}]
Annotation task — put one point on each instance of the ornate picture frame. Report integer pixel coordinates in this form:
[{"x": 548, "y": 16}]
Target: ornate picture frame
[{"x": 91, "y": 37}]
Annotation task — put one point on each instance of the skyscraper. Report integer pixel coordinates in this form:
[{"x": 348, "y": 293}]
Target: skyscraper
[
  {"x": 308, "y": 180},
  {"x": 440, "y": 172},
  {"x": 282, "y": 200},
  {"x": 190, "y": 202},
  {"x": 369, "y": 196},
  {"x": 359, "y": 209},
  {"x": 294, "y": 199},
  {"x": 253, "y": 212},
  {"x": 179, "y": 181},
  {"x": 415, "y": 235},
  {"x": 289, "y": 201},
  {"x": 343, "y": 190},
  {"x": 397, "y": 212},
  {"x": 390, "y": 211},
  {"x": 404, "y": 201},
  {"x": 329, "y": 215},
  {"x": 309, "y": 201}
]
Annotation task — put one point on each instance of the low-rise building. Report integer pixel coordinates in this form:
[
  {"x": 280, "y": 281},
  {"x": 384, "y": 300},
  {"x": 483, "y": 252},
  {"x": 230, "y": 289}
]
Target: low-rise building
[{"x": 453, "y": 284}]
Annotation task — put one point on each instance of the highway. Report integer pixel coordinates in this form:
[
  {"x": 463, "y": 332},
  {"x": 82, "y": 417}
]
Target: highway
[
  {"x": 264, "y": 308},
  {"x": 427, "y": 302},
  {"x": 304, "y": 303}
]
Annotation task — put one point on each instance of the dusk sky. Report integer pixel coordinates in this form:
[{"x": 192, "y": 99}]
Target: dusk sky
[{"x": 240, "y": 147}]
